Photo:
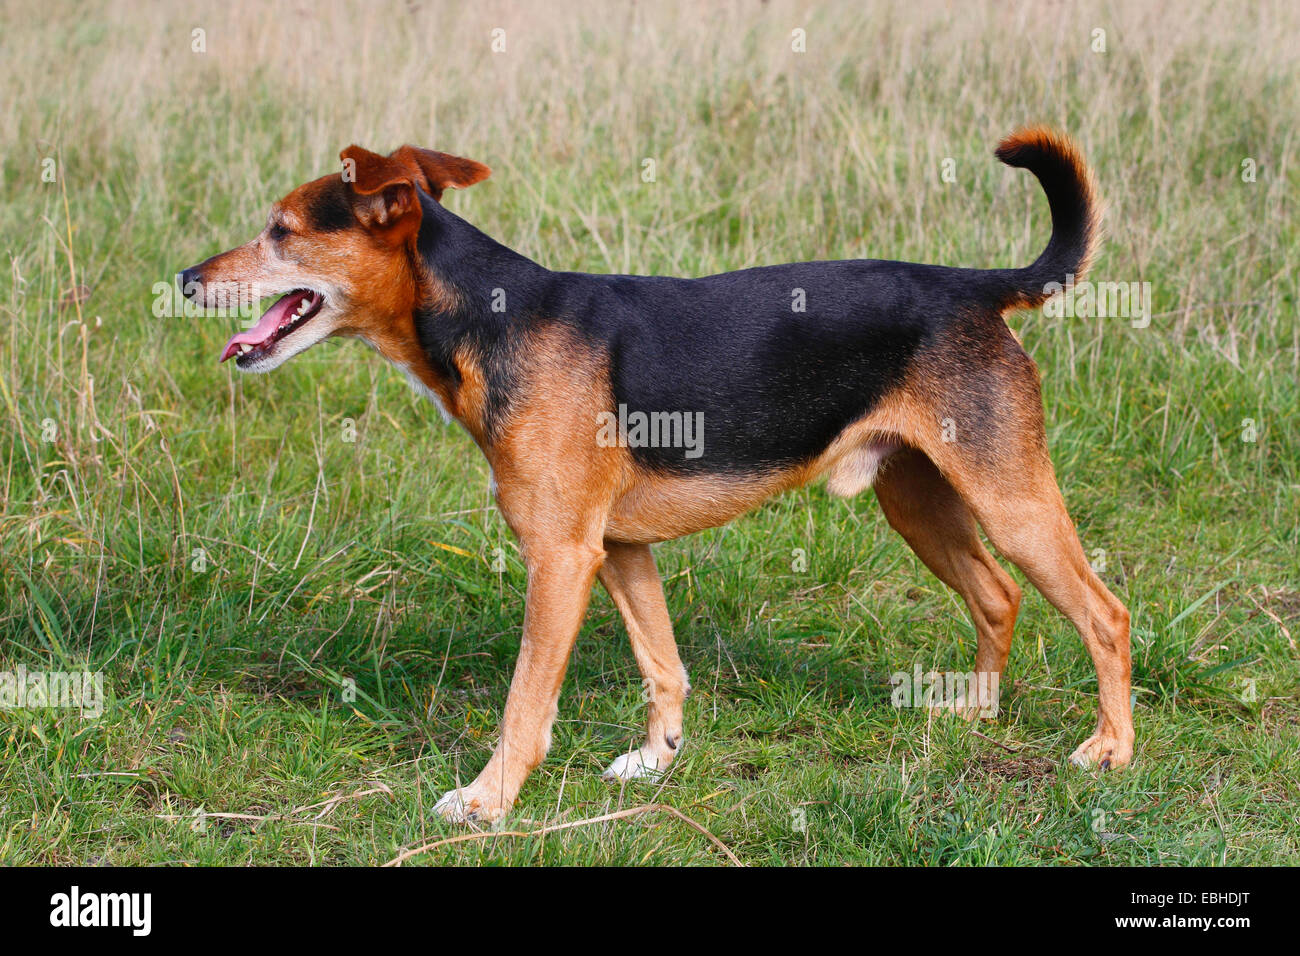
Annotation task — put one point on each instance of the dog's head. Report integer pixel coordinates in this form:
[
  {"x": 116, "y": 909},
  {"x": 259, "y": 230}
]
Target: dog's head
[{"x": 340, "y": 251}]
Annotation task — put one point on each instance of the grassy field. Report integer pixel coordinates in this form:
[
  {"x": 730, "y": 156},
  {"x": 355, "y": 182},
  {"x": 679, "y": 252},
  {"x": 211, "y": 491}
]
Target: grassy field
[{"x": 236, "y": 553}]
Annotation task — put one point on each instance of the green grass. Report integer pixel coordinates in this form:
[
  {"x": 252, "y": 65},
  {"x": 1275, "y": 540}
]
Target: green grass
[{"x": 330, "y": 564}]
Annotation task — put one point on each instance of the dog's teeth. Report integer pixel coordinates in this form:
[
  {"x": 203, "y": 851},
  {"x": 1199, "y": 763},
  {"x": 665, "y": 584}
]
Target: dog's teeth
[{"x": 245, "y": 347}]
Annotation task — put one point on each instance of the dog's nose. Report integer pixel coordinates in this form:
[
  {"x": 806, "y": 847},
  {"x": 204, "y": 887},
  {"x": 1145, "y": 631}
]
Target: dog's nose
[{"x": 187, "y": 278}]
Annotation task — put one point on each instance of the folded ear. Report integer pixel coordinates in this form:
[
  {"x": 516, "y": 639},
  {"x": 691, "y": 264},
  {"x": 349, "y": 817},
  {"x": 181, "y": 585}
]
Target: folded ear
[
  {"x": 383, "y": 193},
  {"x": 441, "y": 171}
]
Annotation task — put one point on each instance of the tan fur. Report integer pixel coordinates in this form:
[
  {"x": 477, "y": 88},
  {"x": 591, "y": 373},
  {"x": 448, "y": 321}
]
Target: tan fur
[{"x": 654, "y": 507}]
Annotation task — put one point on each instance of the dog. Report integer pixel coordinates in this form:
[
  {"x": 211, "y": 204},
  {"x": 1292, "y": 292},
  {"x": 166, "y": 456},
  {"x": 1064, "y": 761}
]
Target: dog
[{"x": 895, "y": 376}]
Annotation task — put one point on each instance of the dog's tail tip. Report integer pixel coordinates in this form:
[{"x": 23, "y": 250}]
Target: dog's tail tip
[
  {"x": 1072, "y": 197},
  {"x": 1027, "y": 146}
]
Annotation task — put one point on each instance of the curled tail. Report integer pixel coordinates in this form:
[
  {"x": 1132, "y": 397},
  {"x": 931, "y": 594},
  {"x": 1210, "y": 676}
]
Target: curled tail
[{"x": 1071, "y": 195}]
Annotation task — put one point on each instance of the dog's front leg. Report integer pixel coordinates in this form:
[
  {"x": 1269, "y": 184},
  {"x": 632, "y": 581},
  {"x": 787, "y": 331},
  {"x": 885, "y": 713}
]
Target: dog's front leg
[
  {"x": 633, "y": 582},
  {"x": 560, "y": 577}
]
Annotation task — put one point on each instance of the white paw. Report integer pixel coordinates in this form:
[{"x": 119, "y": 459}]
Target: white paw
[
  {"x": 635, "y": 765},
  {"x": 451, "y": 806},
  {"x": 464, "y": 805}
]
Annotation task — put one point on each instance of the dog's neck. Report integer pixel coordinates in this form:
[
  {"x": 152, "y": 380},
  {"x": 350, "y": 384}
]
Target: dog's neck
[{"x": 475, "y": 296}]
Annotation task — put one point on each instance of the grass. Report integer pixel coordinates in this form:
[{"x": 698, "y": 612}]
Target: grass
[{"x": 236, "y": 567}]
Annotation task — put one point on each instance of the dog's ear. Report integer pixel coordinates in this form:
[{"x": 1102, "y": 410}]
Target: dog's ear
[
  {"x": 383, "y": 193},
  {"x": 441, "y": 171}
]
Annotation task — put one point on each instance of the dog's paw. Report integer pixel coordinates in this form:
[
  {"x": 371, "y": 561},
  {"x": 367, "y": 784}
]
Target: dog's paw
[
  {"x": 1104, "y": 751},
  {"x": 636, "y": 765},
  {"x": 468, "y": 805}
]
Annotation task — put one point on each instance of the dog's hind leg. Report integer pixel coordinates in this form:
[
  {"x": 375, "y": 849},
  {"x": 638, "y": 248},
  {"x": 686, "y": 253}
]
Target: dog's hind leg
[
  {"x": 632, "y": 580},
  {"x": 995, "y": 457},
  {"x": 1025, "y": 518},
  {"x": 922, "y": 507}
]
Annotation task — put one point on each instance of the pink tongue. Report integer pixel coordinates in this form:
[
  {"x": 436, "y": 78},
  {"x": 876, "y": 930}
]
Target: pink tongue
[{"x": 271, "y": 319}]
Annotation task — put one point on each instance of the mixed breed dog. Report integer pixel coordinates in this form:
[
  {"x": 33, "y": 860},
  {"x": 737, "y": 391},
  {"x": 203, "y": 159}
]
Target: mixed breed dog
[{"x": 888, "y": 375}]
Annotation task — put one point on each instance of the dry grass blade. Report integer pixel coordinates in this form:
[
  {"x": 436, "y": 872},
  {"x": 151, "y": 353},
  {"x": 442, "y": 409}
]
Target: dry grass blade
[
  {"x": 327, "y": 807},
  {"x": 572, "y": 824}
]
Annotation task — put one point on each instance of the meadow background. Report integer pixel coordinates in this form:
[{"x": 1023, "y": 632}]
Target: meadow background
[{"x": 218, "y": 548}]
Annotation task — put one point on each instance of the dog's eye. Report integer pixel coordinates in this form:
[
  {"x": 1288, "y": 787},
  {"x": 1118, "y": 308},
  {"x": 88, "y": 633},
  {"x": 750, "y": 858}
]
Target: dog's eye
[{"x": 278, "y": 231}]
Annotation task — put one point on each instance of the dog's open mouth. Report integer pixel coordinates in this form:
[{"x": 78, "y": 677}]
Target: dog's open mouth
[{"x": 282, "y": 319}]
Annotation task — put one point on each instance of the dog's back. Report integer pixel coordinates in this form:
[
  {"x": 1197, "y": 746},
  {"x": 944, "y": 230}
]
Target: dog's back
[{"x": 780, "y": 360}]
